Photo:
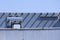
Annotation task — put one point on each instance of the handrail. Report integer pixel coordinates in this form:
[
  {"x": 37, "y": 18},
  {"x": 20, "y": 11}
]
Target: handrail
[{"x": 30, "y": 29}]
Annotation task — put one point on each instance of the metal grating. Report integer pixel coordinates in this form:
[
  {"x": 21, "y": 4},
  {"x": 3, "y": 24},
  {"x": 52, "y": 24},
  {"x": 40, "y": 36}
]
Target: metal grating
[{"x": 33, "y": 20}]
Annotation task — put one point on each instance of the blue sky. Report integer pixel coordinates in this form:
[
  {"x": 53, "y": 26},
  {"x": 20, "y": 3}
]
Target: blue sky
[{"x": 29, "y": 5}]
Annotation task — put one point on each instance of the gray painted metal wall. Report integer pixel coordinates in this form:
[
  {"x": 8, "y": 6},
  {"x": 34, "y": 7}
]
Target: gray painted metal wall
[{"x": 30, "y": 35}]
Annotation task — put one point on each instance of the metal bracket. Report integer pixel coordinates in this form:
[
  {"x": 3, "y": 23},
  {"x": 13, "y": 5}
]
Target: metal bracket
[{"x": 14, "y": 20}]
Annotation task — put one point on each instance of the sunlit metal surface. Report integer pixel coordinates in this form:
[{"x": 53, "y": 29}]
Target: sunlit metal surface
[{"x": 33, "y": 26}]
